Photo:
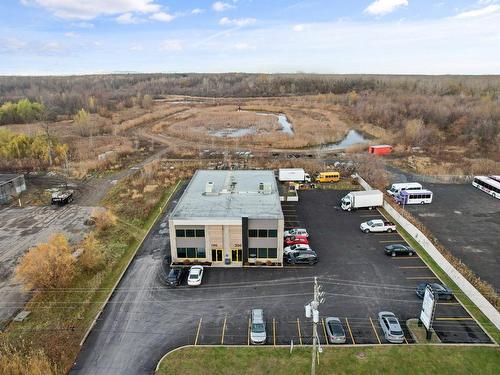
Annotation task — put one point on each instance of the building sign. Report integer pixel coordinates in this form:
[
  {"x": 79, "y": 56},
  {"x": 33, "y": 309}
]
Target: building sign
[{"x": 427, "y": 313}]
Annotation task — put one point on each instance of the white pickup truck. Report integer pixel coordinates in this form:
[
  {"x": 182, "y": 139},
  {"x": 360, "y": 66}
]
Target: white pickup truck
[{"x": 377, "y": 225}]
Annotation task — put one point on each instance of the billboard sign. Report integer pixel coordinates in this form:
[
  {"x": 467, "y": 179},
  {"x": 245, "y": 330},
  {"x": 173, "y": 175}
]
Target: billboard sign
[{"x": 427, "y": 313}]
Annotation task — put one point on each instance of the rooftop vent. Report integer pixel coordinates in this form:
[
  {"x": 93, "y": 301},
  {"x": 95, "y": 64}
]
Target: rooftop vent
[{"x": 209, "y": 187}]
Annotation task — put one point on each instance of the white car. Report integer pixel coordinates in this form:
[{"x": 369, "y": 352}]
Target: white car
[
  {"x": 391, "y": 328},
  {"x": 195, "y": 275},
  {"x": 295, "y": 248},
  {"x": 296, "y": 232}
]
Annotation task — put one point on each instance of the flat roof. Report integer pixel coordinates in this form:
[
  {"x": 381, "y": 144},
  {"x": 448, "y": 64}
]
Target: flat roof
[
  {"x": 4, "y": 178},
  {"x": 234, "y": 194}
]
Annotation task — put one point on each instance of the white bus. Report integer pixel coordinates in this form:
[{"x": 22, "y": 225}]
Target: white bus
[
  {"x": 488, "y": 184},
  {"x": 414, "y": 197},
  {"x": 395, "y": 189}
]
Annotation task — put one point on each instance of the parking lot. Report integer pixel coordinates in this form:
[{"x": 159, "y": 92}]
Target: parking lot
[
  {"x": 144, "y": 319},
  {"x": 467, "y": 222}
]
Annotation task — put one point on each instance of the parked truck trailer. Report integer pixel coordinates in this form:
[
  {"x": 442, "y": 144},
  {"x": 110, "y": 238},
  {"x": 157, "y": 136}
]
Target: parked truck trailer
[
  {"x": 362, "y": 199},
  {"x": 293, "y": 175}
]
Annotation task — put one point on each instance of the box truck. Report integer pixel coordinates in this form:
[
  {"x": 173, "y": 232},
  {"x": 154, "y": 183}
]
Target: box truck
[
  {"x": 362, "y": 199},
  {"x": 293, "y": 174}
]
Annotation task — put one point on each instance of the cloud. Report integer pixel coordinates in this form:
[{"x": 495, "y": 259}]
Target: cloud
[
  {"x": 225, "y": 21},
  {"x": 90, "y": 9},
  {"x": 171, "y": 45},
  {"x": 83, "y": 25},
  {"x": 126, "y": 18},
  {"x": 243, "y": 46},
  {"x": 220, "y": 6},
  {"x": 11, "y": 44},
  {"x": 162, "y": 17},
  {"x": 298, "y": 28},
  {"x": 71, "y": 34},
  {"x": 383, "y": 7},
  {"x": 197, "y": 11},
  {"x": 136, "y": 47},
  {"x": 490, "y": 9}
]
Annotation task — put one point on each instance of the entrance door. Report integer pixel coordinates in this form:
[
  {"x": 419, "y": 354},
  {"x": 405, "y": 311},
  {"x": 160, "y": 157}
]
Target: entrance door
[
  {"x": 216, "y": 255},
  {"x": 237, "y": 255}
]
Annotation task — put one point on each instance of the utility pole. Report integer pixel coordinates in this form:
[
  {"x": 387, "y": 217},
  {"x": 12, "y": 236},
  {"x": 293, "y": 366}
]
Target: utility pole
[{"x": 312, "y": 310}]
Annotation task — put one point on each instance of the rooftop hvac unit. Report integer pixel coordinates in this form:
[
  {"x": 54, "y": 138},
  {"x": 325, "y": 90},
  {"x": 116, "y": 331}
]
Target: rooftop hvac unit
[{"x": 209, "y": 187}]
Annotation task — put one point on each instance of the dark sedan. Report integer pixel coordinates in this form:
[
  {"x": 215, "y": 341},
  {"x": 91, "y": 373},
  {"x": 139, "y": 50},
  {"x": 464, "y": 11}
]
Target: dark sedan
[
  {"x": 399, "y": 249},
  {"x": 308, "y": 257},
  {"x": 175, "y": 276},
  {"x": 442, "y": 291}
]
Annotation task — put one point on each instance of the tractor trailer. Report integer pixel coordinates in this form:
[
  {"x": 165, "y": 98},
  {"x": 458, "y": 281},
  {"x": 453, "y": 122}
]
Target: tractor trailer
[
  {"x": 293, "y": 175},
  {"x": 362, "y": 199}
]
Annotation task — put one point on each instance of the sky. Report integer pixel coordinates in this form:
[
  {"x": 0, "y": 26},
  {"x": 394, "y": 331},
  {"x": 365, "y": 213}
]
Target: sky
[{"x": 53, "y": 37}]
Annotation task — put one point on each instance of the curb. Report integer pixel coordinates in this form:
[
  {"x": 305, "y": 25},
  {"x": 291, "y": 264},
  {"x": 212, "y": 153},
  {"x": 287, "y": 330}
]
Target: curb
[{"x": 87, "y": 333}]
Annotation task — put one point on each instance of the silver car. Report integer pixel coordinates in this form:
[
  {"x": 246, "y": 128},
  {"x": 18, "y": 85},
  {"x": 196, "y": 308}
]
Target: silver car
[
  {"x": 391, "y": 328},
  {"x": 335, "y": 330},
  {"x": 258, "y": 327}
]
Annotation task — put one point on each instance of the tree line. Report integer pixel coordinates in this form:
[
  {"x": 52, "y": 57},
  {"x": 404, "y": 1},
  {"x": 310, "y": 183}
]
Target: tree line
[{"x": 23, "y": 111}]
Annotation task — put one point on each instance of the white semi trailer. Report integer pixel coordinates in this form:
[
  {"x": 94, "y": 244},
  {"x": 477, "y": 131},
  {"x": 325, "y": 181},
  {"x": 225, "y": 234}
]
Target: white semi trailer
[
  {"x": 293, "y": 175},
  {"x": 362, "y": 199}
]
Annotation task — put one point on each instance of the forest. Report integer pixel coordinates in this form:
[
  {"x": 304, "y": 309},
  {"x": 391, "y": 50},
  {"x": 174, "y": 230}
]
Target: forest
[{"x": 457, "y": 110}]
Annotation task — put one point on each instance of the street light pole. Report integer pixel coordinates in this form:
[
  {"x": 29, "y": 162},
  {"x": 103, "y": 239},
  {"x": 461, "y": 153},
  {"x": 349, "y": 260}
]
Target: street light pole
[{"x": 313, "y": 312}]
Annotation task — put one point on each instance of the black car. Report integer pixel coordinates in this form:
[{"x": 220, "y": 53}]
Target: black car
[
  {"x": 442, "y": 291},
  {"x": 399, "y": 249},
  {"x": 308, "y": 257},
  {"x": 175, "y": 276}
]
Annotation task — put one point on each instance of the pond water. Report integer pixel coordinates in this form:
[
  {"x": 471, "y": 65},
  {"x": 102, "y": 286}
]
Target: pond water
[
  {"x": 352, "y": 138},
  {"x": 286, "y": 126},
  {"x": 232, "y": 132}
]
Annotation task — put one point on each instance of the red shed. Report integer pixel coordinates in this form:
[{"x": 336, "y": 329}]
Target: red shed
[{"x": 380, "y": 149}]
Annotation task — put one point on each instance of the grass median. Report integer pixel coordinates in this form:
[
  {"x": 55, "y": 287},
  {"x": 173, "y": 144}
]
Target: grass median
[{"x": 387, "y": 360}]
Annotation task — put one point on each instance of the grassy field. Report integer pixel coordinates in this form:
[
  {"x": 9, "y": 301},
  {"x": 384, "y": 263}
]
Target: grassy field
[{"x": 385, "y": 360}]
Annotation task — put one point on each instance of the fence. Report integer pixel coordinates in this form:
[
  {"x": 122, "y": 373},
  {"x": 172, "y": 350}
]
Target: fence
[{"x": 467, "y": 288}]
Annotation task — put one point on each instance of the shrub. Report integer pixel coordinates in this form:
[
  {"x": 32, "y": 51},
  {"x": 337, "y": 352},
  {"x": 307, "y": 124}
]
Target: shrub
[
  {"x": 91, "y": 257},
  {"x": 47, "y": 265}
]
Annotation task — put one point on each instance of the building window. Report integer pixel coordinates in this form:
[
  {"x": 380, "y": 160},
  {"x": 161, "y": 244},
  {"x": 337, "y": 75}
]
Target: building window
[
  {"x": 190, "y": 252},
  {"x": 190, "y": 232},
  {"x": 272, "y": 252},
  {"x": 263, "y": 233},
  {"x": 262, "y": 252},
  {"x": 252, "y": 252}
]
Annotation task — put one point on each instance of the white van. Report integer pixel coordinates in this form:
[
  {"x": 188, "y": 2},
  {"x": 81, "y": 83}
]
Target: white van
[{"x": 395, "y": 189}]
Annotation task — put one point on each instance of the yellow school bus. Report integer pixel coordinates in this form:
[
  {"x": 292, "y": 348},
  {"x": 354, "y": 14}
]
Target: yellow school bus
[{"x": 328, "y": 177}]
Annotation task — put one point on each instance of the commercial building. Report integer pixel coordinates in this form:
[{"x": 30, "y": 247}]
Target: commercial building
[
  {"x": 11, "y": 185},
  {"x": 228, "y": 218}
]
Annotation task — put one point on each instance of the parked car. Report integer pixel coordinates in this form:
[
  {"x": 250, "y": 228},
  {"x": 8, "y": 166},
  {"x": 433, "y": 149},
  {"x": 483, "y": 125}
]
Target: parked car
[
  {"x": 296, "y": 232},
  {"x": 175, "y": 276},
  {"x": 442, "y": 291},
  {"x": 377, "y": 226},
  {"x": 399, "y": 249},
  {"x": 296, "y": 240},
  {"x": 258, "y": 327},
  {"x": 308, "y": 257},
  {"x": 335, "y": 330},
  {"x": 195, "y": 275},
  {"x": 296, "y": 248},
  {"x": 391, "y": 328}
]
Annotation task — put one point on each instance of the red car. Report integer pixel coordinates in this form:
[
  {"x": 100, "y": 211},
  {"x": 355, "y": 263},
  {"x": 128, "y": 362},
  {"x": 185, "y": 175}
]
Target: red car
[{"x": 296, "y": 240}]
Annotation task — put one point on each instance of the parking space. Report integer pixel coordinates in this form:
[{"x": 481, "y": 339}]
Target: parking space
[
  {"x": 358, "y": 279},
  {"x": 467, "y": 222}
]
